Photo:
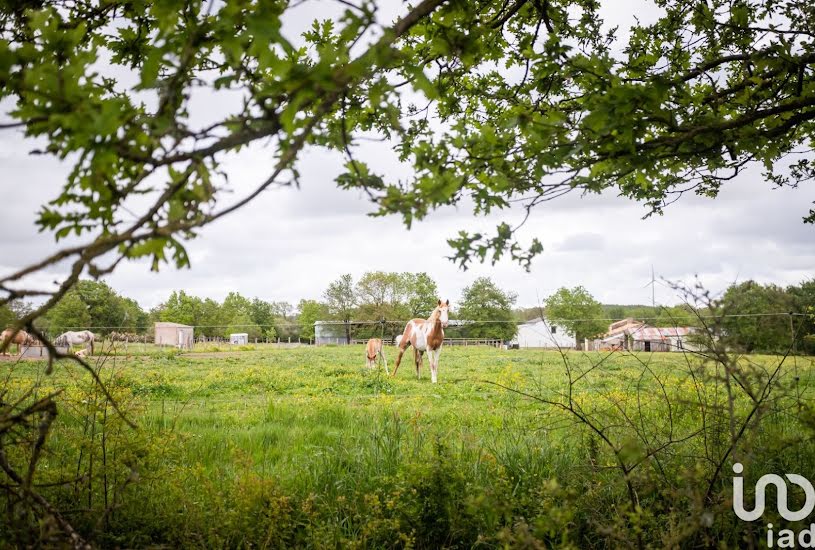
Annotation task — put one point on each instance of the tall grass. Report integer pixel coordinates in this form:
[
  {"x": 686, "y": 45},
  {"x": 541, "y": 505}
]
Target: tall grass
[{"x": 306, "y": 447}]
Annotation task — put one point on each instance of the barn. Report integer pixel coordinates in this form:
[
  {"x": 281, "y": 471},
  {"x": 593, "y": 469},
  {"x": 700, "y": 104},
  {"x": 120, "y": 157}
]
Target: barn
[
  {"x": 647, "y": 338},
  {"x": 539, "y": 333},
  {"x": 174, "y": 334},
  {"x": 663, "y": 339}
]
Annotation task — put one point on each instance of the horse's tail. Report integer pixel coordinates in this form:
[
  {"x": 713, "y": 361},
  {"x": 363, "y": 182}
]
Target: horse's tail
[{"x": 398, "y": 340}]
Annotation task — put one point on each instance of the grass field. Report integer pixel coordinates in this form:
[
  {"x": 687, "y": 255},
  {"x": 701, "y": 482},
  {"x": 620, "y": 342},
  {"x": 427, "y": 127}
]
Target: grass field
[{"x": 272, "y": 447}]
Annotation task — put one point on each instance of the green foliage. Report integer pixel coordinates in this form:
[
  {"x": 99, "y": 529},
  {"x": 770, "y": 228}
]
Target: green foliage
[
  {"x": 803, "y": 296},
  {"x": 303, "y": 448},
  {"x": 310, "y": 312},
  {"x": 578, "y": 311},
  {"x": 182, "y": 308},
  {"x": 11, "y": 312},
  {"x": 422, "y": 294},
  {"x": 70, "y": 313},
  {"x": 95, "y": 304},
  {"x": 521, "y": 102},
  {"x": 760, "y": 333},
  {"x": 381, "y": 295},
  {"x": 341, "y": 300},
  {"x": 490, "y": 308}
]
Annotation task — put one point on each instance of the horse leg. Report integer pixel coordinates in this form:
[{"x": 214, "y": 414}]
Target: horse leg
[
  {"x": 402, "y": 347},
  {"x": 418, "y": 356},
  {"x": 384, "y": 359},
  {"x": 434, "y": 363}
]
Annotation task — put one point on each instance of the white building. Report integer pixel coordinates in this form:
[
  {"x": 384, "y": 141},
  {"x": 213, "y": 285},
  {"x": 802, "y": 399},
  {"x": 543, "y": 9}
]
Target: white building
[
  {"x": 174, "y": 334},
  {"x": 241, "y": 338},
  {"x": 539, "y": 333}
]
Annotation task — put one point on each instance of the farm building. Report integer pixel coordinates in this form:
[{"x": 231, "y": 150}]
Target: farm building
[
  {"x": 662, "y": 339},
  {"x": 646, "y": 338},
  {"x": 174, "y": 334},
  {"x": 239, "y": 338},
  {"x": 539, "y": 333},
  {"x": 624, "y": 326}
]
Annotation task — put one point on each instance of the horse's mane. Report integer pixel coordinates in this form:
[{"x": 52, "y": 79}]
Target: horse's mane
[{"x": 435, "y": 315}]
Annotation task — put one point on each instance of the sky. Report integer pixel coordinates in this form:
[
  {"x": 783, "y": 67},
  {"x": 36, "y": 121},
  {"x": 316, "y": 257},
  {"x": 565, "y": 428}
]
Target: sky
[{"x": 290, "y": 244}]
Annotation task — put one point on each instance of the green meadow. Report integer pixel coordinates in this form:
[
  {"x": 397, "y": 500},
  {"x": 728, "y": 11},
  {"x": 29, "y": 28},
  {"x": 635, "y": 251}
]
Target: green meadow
[{"x": 268, "y": 447}]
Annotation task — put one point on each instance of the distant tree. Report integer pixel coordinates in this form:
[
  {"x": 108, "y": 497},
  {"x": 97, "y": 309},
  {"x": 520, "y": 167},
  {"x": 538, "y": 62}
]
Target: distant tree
[
  {"x": 615, "y": 312},
  {"x": 12, "y": 311},
  {"x": 182, "y": 308},
  {"x": 421, "y": 294},
  {"x": 209, "y": 318},
  {"x": 675, "y": 316},
  {"x": 70, "y": 313},
  {"x": 134, "y": 318},
  {"x": 101, "y": 308},
  {"x": 106, "y": 307},
  {"x": 282, "y": 309},
  {"x": 262, "y": 312},
  {"x": 238, "y": 314},
  {"x": 283, "y": 320},
  {"x": 523, "y": 314},
  {"x": 6, "y": 316},
  {"x": 757, "y": 333},
  {"x": 381, "y": 295},
  {"x": 483, "y": 301},
  {"x": 341, "y": 301},
  {"x": 310, "y": 311},
  {"x": 803, "y": 296},
  {"x": 577, "y": 311},
  {"x": 242, "y": 322}
]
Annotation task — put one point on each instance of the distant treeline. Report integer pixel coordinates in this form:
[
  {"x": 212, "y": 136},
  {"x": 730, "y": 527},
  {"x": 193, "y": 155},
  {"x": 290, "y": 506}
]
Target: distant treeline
[{"x": 397, "y": 297}]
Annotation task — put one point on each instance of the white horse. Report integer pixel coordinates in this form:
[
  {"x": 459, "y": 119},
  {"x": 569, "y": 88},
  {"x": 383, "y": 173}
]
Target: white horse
[
  {"x": 424, "y": 335},
  {"x": 79, "y": 338}
]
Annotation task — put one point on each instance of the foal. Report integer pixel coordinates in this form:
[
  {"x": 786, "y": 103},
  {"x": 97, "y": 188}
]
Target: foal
[{"x": 374, "y": 349}]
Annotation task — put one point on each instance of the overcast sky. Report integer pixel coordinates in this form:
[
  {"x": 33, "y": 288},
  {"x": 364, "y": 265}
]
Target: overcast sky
[{"x": 289, "y": 244}]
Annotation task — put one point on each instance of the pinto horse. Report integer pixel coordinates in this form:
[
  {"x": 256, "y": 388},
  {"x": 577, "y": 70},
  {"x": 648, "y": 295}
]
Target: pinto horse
[
  {"x": 20, "y": 337},
  {"x": 69, "y": 339},
  {"x": 373, "y": 350},
  {"x": 424, "y": 335}
]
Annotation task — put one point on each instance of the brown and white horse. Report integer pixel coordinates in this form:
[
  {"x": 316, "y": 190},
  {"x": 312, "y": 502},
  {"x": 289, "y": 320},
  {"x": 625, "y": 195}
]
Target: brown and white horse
[
  {"x": 424, "y": 335},
  {"x": 8, "y": 337},
  {"x": 374, "y": 349}
]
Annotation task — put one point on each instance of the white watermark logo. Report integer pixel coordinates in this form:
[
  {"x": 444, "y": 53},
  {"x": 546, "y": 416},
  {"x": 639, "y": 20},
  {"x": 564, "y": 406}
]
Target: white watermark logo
[{"x": 786, "y": 537}]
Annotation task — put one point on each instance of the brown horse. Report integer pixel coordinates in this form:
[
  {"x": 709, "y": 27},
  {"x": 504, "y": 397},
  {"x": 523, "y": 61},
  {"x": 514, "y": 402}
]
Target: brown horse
[
  {"x": 373, "y": 350},
  {"x": 20, "y": 337},
  {"x": 424, "y": 335}
]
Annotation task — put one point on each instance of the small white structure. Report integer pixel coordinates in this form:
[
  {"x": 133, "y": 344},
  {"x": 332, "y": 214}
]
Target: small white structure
[
  {"x": 174, "y": 334},
  {"x": 240, "y": 338},
  {"x": 329, "y": 332},
  {"x": 539, "y": 333}
]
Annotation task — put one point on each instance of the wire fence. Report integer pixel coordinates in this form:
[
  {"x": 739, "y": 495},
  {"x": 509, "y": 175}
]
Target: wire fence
[{"x": 452, "y": 322}]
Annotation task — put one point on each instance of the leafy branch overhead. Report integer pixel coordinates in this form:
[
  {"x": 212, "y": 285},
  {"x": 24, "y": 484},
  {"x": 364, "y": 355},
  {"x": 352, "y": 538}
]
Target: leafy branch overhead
[{"x": 491, "y": 103}]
